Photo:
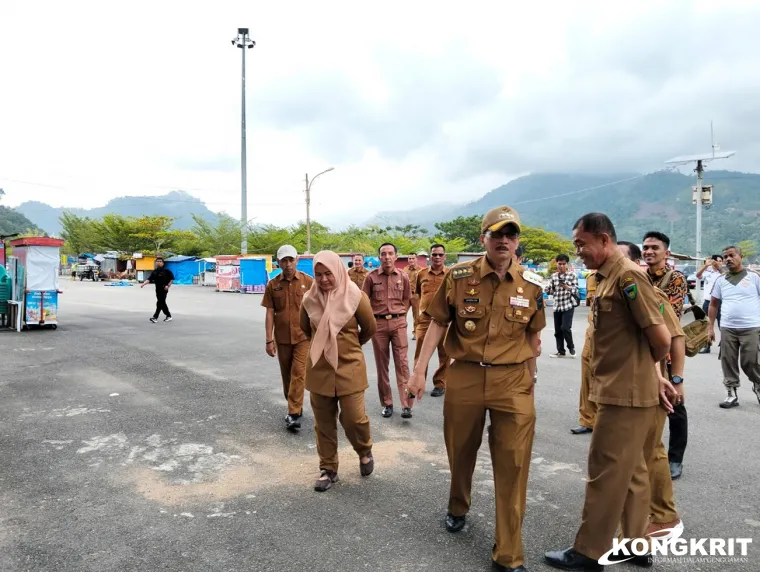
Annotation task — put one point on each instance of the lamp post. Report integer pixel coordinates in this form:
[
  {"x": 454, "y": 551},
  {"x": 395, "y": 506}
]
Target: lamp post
[
  {"x": 308, "y": 207},
  {"x": 242, "y": 41}
]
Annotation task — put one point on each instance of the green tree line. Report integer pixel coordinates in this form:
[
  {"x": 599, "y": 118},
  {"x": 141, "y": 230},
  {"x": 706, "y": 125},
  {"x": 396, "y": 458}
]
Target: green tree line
[{"x": 154, "y": 234}]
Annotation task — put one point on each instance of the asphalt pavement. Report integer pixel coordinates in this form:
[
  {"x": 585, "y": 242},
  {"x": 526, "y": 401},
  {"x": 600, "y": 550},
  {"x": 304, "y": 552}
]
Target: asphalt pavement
[{"x": 128, "y": 445}]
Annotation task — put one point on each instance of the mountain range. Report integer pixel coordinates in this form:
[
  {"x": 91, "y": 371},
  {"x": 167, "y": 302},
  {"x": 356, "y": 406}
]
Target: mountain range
[
  {"x": 178, "y": 204},
  {"x": 636, "y": 203}
]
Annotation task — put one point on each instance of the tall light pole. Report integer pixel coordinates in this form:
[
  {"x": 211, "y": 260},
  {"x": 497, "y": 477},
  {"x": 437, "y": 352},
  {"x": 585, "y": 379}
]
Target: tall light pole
[
  {"x": 242, "y": 41},
  {"x": 700, "y": 195},
  {"x": 308, "y": 207}
]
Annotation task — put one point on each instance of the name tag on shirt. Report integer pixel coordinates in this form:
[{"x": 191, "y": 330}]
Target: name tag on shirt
[{"x": 519, "y": 301}]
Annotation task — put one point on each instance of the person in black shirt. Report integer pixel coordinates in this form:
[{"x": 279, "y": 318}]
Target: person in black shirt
[{"x": 163, "y": 279}]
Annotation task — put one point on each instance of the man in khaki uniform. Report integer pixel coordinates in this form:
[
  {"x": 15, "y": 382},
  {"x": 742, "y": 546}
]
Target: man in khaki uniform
[
  {"x": 282, "y": 299},
  {"x": 629, "y": 337},
  {"x": 428, "y": 281},
  {"x": 412, "y": 271},
  {"x": 587, "y": 408},
  {"x": 390, "y": 294},
  {"x": 357, "y": 273},
  {"x": 491, "y": 310},
  {"x": 662, "y": 502}
]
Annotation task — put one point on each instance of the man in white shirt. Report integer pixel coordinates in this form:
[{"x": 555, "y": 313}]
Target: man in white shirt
[
  {"x": 710, "y": 272},
  {"x": 737, "y": 296}
]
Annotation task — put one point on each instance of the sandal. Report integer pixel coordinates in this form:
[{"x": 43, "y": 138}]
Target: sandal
[
  {"x": 366, "y": 468},
  {"x": 321, "y": 485}
]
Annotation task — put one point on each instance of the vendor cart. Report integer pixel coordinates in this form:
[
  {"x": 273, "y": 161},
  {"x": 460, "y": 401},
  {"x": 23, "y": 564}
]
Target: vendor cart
[{"x": 38, "y": 263}]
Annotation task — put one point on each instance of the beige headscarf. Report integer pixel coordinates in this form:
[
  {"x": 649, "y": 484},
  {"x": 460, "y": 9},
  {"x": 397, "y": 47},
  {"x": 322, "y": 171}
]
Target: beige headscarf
[{"x": 330, "y": 311}]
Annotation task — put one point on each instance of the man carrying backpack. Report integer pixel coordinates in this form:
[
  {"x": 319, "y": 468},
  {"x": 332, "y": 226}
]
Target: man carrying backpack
[{"x": 656, "y": 252}]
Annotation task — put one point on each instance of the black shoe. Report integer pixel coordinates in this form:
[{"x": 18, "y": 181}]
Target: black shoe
[
  {"x": 705, "y": 350},
  {"x": 437, "y": 392},
  {"x": 154, "y": 320},
  {"x": 292, "y": 422},
  {"x": 572, "y": 352},
  {"x": 406, "y": 413},
  {"x": 571, "y": 560},
  {"x": 455, "y": 523},
  {"x": 387, "y": 410},
  {"x": 640, "y": 560},
  {"x": 580, "y": 430},
  {"x": 675, "y": 470},
  {"x": 503, "y": 568}
]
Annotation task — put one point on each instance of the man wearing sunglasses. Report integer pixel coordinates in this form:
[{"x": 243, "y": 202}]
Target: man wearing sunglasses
[{"x": 429, "y": 280}]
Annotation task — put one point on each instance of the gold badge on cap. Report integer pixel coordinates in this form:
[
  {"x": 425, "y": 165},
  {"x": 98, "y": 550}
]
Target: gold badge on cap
[{"x": 469, "y": 326}]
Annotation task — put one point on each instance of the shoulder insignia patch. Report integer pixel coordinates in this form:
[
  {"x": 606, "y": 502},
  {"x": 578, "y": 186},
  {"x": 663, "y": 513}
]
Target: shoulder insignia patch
[
  {"x": 631, "y": 291},
  {"x": 458, "y": 273},
  {"x": 532, "y": 277},
  {"x": 627, "y": 280}
]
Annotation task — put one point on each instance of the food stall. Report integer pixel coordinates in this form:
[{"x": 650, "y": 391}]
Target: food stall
[
  {"x": 228, "y": 273},
  {"x": 37, "y": 264}
]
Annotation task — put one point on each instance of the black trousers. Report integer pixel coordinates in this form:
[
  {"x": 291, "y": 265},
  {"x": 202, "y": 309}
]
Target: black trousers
[
  {"x": 161, "y": 304},
  {"x": 563, "y": 330},
  {"x": 678, "y": 422}
]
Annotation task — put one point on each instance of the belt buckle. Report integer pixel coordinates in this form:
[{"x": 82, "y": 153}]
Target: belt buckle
[{"x": 388, "y": 317}]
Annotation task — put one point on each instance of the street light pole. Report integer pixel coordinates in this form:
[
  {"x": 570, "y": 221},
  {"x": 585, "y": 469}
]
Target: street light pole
[
  {"x": 308, "y": 207},
  {"x": 242, "y": 41}
]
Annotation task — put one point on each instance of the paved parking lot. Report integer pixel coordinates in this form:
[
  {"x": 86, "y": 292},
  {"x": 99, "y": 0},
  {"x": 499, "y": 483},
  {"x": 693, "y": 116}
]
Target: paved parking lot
[{"x": 128, "y": 445}]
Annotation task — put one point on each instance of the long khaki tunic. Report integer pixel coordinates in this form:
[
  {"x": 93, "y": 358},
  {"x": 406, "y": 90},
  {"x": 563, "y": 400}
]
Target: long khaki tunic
[{"x": 351, "y": 375}]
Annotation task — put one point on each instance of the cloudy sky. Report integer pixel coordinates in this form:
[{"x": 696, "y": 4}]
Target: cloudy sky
[{"x": 411, "y": 103}]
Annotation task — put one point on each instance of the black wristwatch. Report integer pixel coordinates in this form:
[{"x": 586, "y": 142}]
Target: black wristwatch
[{"x": 676, "y": 380}]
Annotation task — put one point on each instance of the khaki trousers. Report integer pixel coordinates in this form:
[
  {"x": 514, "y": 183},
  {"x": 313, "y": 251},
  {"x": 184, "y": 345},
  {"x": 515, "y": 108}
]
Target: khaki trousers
[
  {"x": 506, "y": 393},
  {"x": 586, "y": 408},
  {"x": 415, "y": 312},
  {"x": 617, "y": 489},
  {"x": 662, "y": 503},
  {"x": 740, "y": 347},
  {"x": 353, "y": 418},
  {"x": 391, "y": 335},
  {"x": 439, "y": 377},
  {"x": 292, "y": 358}
]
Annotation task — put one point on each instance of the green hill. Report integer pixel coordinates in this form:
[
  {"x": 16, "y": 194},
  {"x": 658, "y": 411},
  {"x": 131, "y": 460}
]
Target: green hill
[{"x": 659, "y": 201}]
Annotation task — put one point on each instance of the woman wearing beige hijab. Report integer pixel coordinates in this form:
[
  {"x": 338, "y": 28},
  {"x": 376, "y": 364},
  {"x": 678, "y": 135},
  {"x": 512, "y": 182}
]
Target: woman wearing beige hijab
[{"x": 338, "y": 319}]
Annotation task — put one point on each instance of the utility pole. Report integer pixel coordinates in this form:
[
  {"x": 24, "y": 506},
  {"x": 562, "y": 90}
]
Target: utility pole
[
  {"x": 242, "y": 41},
  {"x": 308, "y": 207},
  {"x": 700, "y": 195}
]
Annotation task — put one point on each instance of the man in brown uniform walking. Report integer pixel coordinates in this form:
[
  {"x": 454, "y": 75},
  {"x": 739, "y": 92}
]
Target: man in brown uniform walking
[
  {"x": 586, "y": 408},
  {"x": 389, "y": 292},
  {"x": 282, "y": 299},
  {"x": 629, "y": 337},
  {"x": 357, "y": 273},
  {"x": 428, "y": 281},
  {"x": 412, "y": 271},
  {"x": 491, "y": 310}
]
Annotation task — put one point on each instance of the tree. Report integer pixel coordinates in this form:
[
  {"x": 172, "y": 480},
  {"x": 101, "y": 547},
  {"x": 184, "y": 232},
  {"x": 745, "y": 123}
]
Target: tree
[
  {"x": 542, "y": 246},
  {"x": 79, "y": 233},
  {"x": 156, "y": 231},
  {"x": 223, "y": 238},
  {"x": 749, "y": 249},
  {"x": 463, "y": 227}
]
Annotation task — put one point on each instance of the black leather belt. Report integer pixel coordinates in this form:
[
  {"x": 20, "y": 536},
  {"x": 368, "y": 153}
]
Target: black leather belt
[
  {"x": 484, "y": 364},
  {"x": 388, "y": 316}
]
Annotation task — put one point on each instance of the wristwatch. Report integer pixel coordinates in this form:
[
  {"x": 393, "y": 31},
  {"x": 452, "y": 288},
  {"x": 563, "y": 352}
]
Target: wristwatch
[{"x": 676, "y": 380}]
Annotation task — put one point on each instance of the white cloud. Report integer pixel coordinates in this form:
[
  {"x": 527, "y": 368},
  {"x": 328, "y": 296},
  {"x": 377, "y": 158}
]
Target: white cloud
[{"x": 411, "y": 102}]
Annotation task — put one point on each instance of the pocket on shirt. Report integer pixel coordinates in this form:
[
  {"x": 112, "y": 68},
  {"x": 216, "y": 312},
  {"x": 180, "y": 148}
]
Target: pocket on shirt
[
  {"x": 378, "y": 293},
  {"x": 470, "y": 313},
  {"x": 517, "y": 320},
  {"x": 279, "y": 300}
]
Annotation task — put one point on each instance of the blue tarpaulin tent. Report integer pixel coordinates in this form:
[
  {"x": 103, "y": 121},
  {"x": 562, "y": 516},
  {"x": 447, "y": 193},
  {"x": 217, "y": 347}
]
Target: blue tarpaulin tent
[
  {"x": 184, "y": 268},
  {"x": 253, "y": 275}
]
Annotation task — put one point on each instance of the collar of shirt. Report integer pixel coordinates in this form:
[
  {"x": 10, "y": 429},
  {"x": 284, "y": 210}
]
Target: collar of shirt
[
  {"x": 394, "y": 271},
  {"x": 612, "y": 260},
  {"x": 432, "y": 271},
  {"x": 296, "y": 276},
  {"x": 486, "y": 269},
  {"x": 661, "y": 272}
]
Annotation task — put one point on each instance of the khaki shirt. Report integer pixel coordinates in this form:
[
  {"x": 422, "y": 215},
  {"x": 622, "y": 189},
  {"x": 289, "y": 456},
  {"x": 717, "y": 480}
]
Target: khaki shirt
[
  {"x": 358, "y": 274},
  {"x": 590, "y": 293},
  {"x": 621, "y": 360},
  {"x": 388, "y": 293},
  {"x": 413, "y": 276},
  {"x": 428, "y": 282},
  {"x": 488, "y": 317},
  {"x": 351, "y": 375},
  {"x": 284, "y": 297}
]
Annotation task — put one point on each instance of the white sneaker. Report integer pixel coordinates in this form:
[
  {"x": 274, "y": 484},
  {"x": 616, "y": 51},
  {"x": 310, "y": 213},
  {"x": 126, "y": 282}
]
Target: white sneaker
[
  {"x": 558, "y": 356},
  {"x": 731, "y": 400},
  {"x": 168, "y": 319}
]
